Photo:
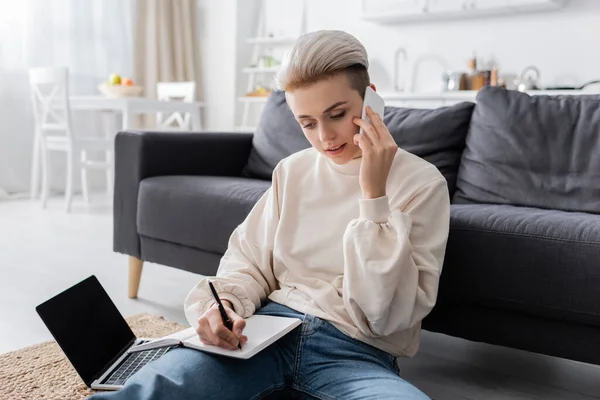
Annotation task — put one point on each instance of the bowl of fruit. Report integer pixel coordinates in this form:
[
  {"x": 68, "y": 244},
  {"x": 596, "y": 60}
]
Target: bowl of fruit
[
  {"x": 259, "y": 92},
  {"x": 119, "y": 87}
]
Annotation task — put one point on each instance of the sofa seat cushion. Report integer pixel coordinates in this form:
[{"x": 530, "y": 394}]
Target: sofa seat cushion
[
  {"x": 532, "y": 151},
  {"x": 196, "y": 211},
  {"x": 541, "y": 262}
]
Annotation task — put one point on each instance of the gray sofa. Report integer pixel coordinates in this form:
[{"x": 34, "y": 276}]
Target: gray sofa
[{"x": 522, "y": 265}]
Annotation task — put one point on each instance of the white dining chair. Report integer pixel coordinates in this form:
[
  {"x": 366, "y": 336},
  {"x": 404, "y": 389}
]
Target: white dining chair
[
  {"x": 175, "y": 91},
  {"x": 54, "y": 133}
]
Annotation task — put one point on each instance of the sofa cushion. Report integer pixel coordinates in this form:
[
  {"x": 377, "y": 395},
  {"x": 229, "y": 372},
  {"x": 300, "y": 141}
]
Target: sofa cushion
[
  {"x": 537, "y": 151},
  {"x": 196, "y": 211},
  {"x": 536, "y": 261},
  {"x": 436, "y": 135},
  {"x": 277, "y": 136}
]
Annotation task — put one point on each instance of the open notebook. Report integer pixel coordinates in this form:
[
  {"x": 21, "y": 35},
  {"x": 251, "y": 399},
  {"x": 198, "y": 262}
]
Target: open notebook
[{"x": 261, "y": 330}]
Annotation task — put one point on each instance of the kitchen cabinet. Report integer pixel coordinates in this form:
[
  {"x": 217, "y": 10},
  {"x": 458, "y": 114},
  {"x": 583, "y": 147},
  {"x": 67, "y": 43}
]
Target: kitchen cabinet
[
  {"x": 535, "y": 5},
  {"x": 404, "y": 8},
  {"x": 490, "y": 5},
  {"x": 412, "y": 11},
  {"x": 442, "y": 8}
]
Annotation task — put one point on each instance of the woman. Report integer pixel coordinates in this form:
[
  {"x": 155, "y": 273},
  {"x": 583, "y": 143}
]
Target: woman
[{"x": 350, "y": 238}]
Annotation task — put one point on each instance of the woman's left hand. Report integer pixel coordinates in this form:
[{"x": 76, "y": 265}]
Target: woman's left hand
[{"x": 378, "y": 151}]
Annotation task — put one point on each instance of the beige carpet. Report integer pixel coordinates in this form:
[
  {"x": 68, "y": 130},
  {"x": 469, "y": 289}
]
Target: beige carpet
[{"x": 43, "y": 372}]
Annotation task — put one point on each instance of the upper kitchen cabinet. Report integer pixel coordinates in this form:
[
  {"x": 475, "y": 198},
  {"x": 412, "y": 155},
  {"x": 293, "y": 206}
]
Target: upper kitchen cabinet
[
  {"x": 412, "y": 11},
  {"x": 404, "y": 8},
  {"x": 442, "y": 8},
  {"x": 536, "y": 5}
]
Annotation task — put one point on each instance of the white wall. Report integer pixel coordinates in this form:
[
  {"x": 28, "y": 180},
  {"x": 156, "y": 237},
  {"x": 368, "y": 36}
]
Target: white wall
[
  {"x": 225, "y": 25},
  {"x": 247, "y": 22},
  {"x": 218, "y": 41},
  {"x": 564, "y": 45}
]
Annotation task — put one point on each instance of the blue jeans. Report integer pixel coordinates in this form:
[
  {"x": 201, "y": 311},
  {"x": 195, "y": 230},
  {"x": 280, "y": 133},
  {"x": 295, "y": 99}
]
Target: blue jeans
[{"x": 314, "y": 361}]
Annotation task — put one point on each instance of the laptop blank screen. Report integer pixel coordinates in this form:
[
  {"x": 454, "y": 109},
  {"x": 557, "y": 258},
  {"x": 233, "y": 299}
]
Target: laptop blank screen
[{"x": 87, "y": 326}]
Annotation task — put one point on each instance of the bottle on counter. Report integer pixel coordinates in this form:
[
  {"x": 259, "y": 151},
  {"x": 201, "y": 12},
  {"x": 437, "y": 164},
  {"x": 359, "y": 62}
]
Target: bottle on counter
[
  {"x": 494, "y": 79},
  {"x": 472, "y": 65},
  {"x": 493, "y": 66},
  {"x": 486, "y": 72},
  {"x": 491, "y": 72},
  {"x": 464, "y": 81},
  {"x": 477, "y": 77}
]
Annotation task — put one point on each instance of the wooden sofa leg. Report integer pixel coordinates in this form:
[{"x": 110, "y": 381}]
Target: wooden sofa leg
[{"x": 135, "y": 274}]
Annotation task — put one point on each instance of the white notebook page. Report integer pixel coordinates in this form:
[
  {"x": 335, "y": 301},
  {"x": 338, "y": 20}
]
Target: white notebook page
[{"x": 261, "y": 330}]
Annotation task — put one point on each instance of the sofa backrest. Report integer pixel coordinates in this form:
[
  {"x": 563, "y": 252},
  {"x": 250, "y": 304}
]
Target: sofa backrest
[
  {"x": 277, "y": 136},
  {"x": 537, "y": 151},
  {"x": 437, "y": 136}
]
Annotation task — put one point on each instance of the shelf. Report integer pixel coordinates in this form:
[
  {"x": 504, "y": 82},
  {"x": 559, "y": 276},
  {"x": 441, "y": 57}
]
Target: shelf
[
  {"x": 271, "y": 40},
  {"x": 253, "y": 99},
  {"x": 257, "y": 70}
]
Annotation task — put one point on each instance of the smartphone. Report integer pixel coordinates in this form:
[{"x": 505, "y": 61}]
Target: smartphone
[{"x": 375, "y": 101}]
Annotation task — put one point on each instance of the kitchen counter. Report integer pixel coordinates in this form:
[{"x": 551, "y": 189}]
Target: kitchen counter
[
  {"x": 442, "y": 99},
  {"x": 466, "y": 95}
]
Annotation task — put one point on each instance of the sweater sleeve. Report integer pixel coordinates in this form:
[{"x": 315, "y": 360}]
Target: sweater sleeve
[
  {"x": 245, "y": 275},
  {"x": 393, "y": 260}
]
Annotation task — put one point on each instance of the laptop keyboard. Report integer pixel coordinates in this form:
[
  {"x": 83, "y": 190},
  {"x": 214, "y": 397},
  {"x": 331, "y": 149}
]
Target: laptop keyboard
[{"x": 132, "y": 364}]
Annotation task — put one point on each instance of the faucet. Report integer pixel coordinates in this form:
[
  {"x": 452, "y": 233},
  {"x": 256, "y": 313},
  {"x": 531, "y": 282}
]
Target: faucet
[
  {"x": 400, "y": 51},
  {"x": 425, "y": 57}
]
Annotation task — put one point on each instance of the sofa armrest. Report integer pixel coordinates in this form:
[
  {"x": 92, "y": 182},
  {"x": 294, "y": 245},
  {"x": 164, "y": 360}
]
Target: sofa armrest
[{"x": 140, "y": 155}]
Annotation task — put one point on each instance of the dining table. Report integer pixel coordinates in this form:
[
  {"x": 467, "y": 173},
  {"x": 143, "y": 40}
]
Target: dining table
[
  {"x": 111, "y": 108},
  {"x": 129, "y": 107}
]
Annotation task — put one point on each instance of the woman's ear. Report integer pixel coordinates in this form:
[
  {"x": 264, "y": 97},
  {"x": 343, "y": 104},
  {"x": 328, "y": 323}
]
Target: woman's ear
[{"x": 373, "y": 86}]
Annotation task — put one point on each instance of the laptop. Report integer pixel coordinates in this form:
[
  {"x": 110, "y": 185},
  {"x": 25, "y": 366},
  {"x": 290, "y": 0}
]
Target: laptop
[{"x": 94, "y": 335}]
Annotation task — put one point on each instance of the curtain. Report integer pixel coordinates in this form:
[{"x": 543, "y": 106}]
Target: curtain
[
  {"x": 166, "y": 43},
  {"x": 92, "y": 38}
]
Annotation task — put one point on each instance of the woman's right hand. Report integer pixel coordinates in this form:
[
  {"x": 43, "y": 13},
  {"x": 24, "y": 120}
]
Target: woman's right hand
[{"x": 212, "y": 331}]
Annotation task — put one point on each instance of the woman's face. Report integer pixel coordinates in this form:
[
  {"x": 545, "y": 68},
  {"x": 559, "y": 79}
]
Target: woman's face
[{"x": 325, "y": 111}]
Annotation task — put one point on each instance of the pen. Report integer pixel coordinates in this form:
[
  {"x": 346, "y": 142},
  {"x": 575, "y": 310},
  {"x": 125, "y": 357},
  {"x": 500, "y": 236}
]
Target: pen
[{"x": 226, "y": 321}]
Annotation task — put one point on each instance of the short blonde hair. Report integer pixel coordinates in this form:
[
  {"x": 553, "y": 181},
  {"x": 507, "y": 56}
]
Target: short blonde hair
[{"x": 322, "y": 54}]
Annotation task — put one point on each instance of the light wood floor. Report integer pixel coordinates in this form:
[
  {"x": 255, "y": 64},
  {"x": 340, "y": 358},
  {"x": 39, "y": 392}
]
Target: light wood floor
[{"x": 44, "y": 252}]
